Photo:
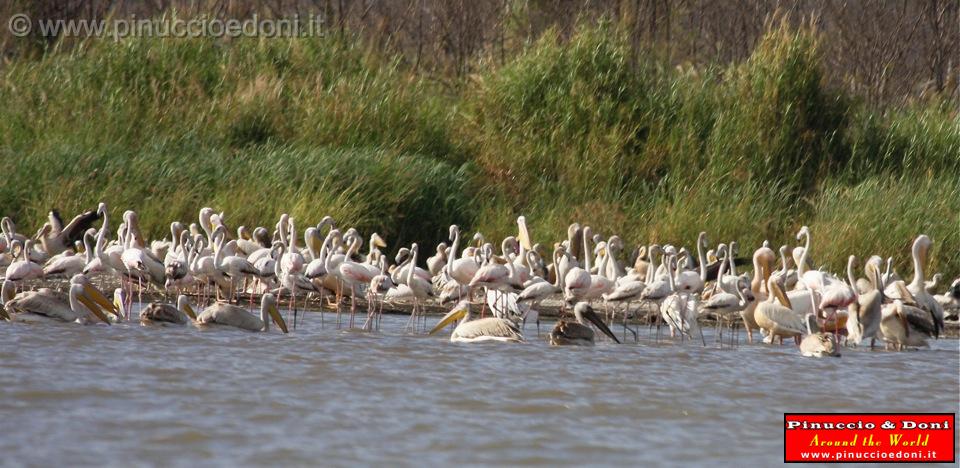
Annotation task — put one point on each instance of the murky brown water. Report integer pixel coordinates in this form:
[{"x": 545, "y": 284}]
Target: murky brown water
[{"x": 125, "y": 394}]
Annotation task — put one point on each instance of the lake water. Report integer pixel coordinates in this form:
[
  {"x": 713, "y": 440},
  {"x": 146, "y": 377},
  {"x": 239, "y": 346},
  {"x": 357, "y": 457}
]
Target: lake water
[{"x": 131, "y": 395}]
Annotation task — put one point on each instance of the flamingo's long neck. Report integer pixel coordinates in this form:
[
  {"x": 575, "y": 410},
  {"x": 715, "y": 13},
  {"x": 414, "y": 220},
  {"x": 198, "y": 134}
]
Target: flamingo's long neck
[
  {"x": 701, "y": 258},
  {"x": 669, "y": 264},
  {"x": 453, "y": 252}
]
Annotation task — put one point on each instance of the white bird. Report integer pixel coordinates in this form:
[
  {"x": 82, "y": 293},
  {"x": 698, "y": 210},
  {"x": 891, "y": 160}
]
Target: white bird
[
  {"x": 45, "y": 304},
  {"x": 230, "y": 315},
  {"x": 474, "y": 331},
  {"x": 778, "y": 319},
  {"x": 162, "y": 313},
  {"x": 817, "y": 343}
]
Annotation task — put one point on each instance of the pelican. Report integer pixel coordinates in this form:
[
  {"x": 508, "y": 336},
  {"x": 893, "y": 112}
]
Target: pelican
[
  {"x": 161, "y": 313},
  {"x": 233, "y": 316},
  {"x": 950, "y": 300},
  {"x": 475, "y": 331},
  {"x": 44, "y": 303},
  {"x": 906, "y": 326},
  {"x": 763, "y": 259},
  {"x": 56, "y": 238},
  {"x": 817, "y": 343},
  {"x": 865, "y": 312},
  {"x": 778, "y": 319},
  {"x": 918, "y": 288},
  {"x": 578, "y": 332}
]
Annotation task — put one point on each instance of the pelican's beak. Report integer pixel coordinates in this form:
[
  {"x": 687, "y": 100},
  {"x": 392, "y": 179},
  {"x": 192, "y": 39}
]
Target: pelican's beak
[
  {"x": 524, "y": 235},
  {"x": 92, "y": 305},
  {"x": 905, "y": 294},
  {"x": 923, "y": 256},
  {"x": 454, "y": 315},
  {"x": 780, "y": 295},
  {"x": 277, "y": 318},
  {"x": 379, "y": 242},
  {"x": 99, "y": 298},
  {"x": 190, "y": 312},
  {"x": 595, "y": 320},
  {"x": 315, "y": 243}
]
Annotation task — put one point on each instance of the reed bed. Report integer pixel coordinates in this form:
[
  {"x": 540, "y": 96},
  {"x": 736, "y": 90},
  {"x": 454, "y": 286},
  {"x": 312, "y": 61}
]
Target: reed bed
[{"x": 575, "y": 129}]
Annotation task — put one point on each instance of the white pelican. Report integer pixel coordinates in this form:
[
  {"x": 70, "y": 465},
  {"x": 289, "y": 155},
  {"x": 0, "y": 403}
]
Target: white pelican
[
  {"x": 778, "y": 318},
  {"x": 763, "y": 259},
  {"x": 233, "y": 316},
  {"x": 906, "y": 326},
  {"x": 162, "y": 313},
  {"x": 950, "y": 300},
  {"x": 55, "y": 238},
  {"x": 817, "y": 343},
  {"x": 474, "y": 331},
  {"x": 81, "y": 301},
  {"x": 865, "y": 312},
  {"x": 578, "y": 332},
  {"x": 917, "y": 287}
]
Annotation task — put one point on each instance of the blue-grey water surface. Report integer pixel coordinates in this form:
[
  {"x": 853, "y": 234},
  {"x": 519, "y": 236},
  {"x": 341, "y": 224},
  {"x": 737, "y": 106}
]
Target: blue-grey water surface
[{"x": 129, "y": 395}]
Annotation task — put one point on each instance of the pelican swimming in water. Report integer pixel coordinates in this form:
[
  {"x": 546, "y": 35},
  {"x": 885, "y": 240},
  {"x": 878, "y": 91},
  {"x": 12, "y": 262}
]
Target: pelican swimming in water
[
  {"x": 579, "y": 333},
  {"x": 161, "y": 313},
  {"x": 474, "y": 331},
  {"x": 47, "y": 304},
  {"x": 817, "y": 343},
  {"x": 233, "y": 316}
]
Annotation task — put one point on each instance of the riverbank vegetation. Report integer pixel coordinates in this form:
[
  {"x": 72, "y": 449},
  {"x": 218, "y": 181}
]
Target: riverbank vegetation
[{"x": 573, "y": 127}]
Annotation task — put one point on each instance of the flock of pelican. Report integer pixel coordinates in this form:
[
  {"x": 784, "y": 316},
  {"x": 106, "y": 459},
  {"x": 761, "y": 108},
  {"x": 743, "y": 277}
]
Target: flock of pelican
[{"x": 665, "y": 284}]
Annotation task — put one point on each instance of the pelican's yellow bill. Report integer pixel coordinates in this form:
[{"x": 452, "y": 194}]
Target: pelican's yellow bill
[
  {"x": 277, "y": 318},
  {"x": 86, "y": 301},
  {"x": 100, "y": 299},
  {"x": 523, "y": 236},
  {"x": 189, "y": 310},
  {"x": 451, "y": 317},
  {"x": 784, "y": 300}
]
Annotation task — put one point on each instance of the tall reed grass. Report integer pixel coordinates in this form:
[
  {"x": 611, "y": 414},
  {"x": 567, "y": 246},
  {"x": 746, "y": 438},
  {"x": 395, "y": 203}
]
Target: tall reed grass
[{"x": 579, "y": 129}]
